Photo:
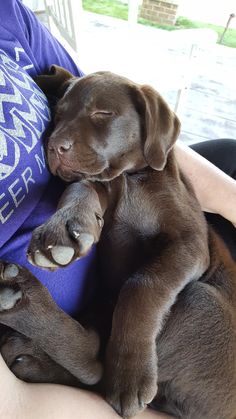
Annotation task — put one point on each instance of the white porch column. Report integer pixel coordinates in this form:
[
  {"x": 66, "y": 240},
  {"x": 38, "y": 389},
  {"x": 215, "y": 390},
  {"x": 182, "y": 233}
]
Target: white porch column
[{"x": 133, "y": 6}]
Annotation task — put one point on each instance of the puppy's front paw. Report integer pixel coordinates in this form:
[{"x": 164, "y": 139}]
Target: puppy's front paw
[
  {"x": 131, "y": 378},
  {"x": 27, "y": 307},
  {"x": 20, "y": 292},
  {"x": 66, "y": 237}
]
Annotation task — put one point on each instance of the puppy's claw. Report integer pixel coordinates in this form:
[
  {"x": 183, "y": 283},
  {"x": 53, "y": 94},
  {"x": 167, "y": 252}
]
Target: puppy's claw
[{"x": 75, "y": 234}]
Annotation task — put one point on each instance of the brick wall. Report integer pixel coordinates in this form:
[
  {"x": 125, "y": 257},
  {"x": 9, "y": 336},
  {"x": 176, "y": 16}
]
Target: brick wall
[{"x": 160, "y": 11}]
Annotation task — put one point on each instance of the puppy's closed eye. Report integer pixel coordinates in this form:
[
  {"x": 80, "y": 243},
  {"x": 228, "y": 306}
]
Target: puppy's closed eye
[{"x": 101, "y": 116}]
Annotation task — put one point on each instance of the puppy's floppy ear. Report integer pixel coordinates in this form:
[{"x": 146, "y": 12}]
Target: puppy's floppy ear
[
  {"x": 161, "y": 127},
  {"x": 55, "y": 82}
]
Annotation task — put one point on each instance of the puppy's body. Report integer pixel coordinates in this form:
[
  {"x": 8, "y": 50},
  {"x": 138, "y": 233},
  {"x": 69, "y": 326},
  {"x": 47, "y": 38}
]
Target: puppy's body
[
  {"x": 173, "y": 304},
  {"x": 196, "y": 349},
  {"x": 140, "y": 222}
]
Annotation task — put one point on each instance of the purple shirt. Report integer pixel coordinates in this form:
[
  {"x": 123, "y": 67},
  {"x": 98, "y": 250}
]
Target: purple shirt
[{"x": 28, "y": 194}]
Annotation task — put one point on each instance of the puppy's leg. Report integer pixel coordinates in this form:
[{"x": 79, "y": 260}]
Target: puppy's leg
[
  {"x": 197, "y": 352},
  {"x": 143, "y": 304},
  {"x": 30, "y": 363},
  {"x": 26, "y": 306},
  {"x": 70, "y": 233}
]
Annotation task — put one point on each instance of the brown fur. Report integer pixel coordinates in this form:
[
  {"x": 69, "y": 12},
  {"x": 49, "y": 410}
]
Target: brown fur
[{"x": 168, "y": 283}]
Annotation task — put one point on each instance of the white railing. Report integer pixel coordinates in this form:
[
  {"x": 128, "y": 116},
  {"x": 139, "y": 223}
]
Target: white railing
[{"x": 65, "y": 15}]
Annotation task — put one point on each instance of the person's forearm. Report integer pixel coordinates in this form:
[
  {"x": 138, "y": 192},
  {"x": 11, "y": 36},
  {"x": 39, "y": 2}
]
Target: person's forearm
[
  {"x": 215, "y": 190},
  {"x": 59, "y": 402},
  {"x": 12, "y": 394},
  {"x": 19, "y": 400}
]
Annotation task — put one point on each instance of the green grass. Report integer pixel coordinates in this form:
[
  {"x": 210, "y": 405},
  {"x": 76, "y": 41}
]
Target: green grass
[
  {"x": 107, "y": 7},
  {"x": 229, "y": 37},
  {"x": 117, "y": 9}
]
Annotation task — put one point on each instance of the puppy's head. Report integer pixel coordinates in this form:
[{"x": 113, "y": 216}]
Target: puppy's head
[{"x": 105, "y": 125}]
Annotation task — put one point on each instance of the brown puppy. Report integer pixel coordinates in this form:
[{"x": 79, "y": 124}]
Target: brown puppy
[{"x": 172, "y": 303}]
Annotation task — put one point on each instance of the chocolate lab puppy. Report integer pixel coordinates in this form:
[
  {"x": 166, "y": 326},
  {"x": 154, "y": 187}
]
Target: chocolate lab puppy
[{"x": 168, "y": 283}]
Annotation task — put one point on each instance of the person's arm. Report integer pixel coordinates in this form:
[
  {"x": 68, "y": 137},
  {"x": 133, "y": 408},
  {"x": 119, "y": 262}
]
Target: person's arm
[
  {"x": 19, "y": 400},
  {"x": 215, "y": 190},
  {"x": 28, "y": 41}
]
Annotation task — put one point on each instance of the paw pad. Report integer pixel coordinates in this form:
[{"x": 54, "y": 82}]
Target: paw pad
[
  {"x": 85, "y": 241},
  {"x": 8, "y": 298},
  {"x": 62, "y": 254},
  {"x": 10, "y": 271},
  {"x": 41, "y": 260}
]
